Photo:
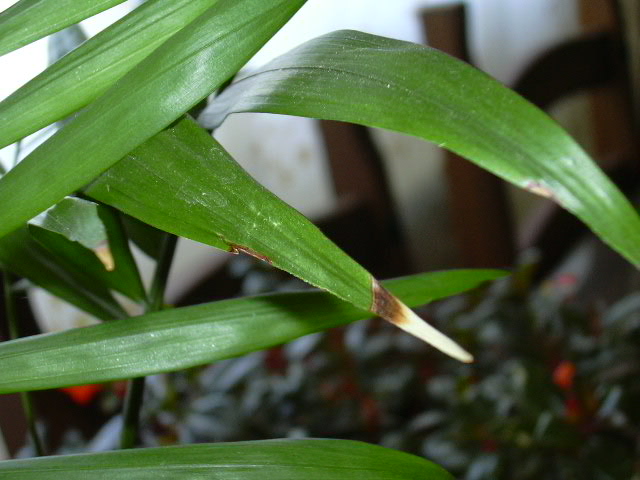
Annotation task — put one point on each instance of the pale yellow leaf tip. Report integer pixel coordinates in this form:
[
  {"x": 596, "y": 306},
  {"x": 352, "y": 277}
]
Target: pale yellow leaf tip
[
  {"x": 393, "y": 310},
  {"x": 103, "y": 252}
]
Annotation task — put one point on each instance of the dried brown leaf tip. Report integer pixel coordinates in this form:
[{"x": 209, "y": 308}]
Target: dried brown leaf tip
[{"x": 386, "y": 305}]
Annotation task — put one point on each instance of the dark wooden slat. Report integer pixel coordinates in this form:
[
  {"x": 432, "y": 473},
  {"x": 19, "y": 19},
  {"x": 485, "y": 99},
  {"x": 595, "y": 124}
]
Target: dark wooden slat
[
  {"x": 583, "y": 63},
  {"x": 360, "y": 179},
  {"x": 479, "y": 208}
]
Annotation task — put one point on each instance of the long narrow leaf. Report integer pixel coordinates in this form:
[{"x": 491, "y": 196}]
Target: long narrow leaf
[
  {"x": 176, "y": 76},
  {"x": 209, "y": 198},
  {"x": 84, "y": 74},
  {"x": 181, "y": 338},
  {"x": 380, "y": 82},
  {"x": 269, "y": 459},
  {"x": 91, "y": 240},
  {"x": 22, "y": 255},
  {"x": 29, "y": 20}
]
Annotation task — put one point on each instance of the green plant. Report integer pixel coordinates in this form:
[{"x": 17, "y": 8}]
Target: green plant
[{"x": 132, "y": 149}]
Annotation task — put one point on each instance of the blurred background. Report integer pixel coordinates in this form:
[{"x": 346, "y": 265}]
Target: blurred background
[{"x": 552, "y": 393}]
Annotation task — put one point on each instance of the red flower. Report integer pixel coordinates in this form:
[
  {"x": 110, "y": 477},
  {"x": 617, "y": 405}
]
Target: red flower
[
  {"x": 83, "y": 394},
  {"x": 564, "y": 374}
]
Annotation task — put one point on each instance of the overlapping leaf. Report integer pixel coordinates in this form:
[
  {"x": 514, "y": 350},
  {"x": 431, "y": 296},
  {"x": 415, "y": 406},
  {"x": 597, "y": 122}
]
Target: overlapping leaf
[
  {"x": 180, "y": 338},
  {"x": 29, "y": 20},
  {"x": 208, "y": 197},
  {"x": 25, "y": 257},
  {"x": 185, "y": 69},
  {"x": 91, "y": 240},
  {"x": 380, "y": 82},
  {"x": 84, "y": 74},
  {"x": 271, "y": 459}
]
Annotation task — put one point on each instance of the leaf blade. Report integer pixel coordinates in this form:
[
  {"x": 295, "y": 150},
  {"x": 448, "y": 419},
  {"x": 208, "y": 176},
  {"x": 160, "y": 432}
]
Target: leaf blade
[
  {"x": 379, "y": 82},
  {"x": 177, "y": 75},
  {"x": 30, "y": 20},
  {"x": 22, "y": 255},
  {"x": 208, "y": 197},
  {"x": 189, "y": 336},
  {"x": 84, "y": 74},
  {"x": 282, "y": 459},
  {"x": 91, "y": 240}
]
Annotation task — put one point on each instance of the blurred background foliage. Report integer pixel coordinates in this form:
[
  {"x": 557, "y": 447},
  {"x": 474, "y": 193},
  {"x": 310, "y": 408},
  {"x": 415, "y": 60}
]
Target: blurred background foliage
[{"x": 552, "y": 394}]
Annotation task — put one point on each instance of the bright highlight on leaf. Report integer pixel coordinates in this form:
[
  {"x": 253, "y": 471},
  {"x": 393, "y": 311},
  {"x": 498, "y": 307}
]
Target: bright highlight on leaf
[
  {"x": 84, "y": 74},
  {"x": 380, "y": 82},
  {"x": 186, "y": 68}
]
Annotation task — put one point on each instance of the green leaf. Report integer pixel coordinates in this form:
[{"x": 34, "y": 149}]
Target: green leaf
[
  {"x": 30, "y": 20},
  {"x": 125, "y": 276},
  {"x": 175, "y": 339},
  {"x": 91, "y": 240},
  {"x": 209, "y": 198},
  {"x": 268, "y": 459},
  {"x": 176, "y": 76},
  {"x": 75, "y": 219},
  {"x": 22, "y": 255},
  {"x": 379, "y": 82},
  {"x": 84, "y": 74}
]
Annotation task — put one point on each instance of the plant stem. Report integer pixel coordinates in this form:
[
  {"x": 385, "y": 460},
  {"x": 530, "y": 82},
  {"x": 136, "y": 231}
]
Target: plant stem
[
  {"x": 131, "y": 416},
  {"x": 135, "y": 388},
  {"x": 14, "y": 332},
  {"x": 161, "y": 275}
]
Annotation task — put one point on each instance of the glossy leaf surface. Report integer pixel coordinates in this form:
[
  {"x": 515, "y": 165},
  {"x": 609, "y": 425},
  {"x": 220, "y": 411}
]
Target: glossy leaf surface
[
  {"x": 29, "y": 20},
  {"x": 84, "y": 74},
  {"x": 269, "y": 459},
  {"x": 207, "y": 197},
  {"x": 380, "y": 82},
  {"x": 181, "y": 338},
  {"x": 176, "y": 76}
]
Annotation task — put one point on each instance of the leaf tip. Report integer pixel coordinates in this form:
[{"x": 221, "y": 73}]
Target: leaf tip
[
  {"x": 103, "y": 252},
  {"x": 394, "y": 311}
]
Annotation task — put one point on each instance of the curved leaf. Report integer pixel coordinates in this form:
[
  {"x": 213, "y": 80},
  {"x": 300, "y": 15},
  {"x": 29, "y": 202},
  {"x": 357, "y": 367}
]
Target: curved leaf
[
  {"x": 268, "y": 459},
  {"x": 30, "y": 20},
  {"x": 84, "y": 74},
  {"x": 380, "y": 82},
  {"x": 175, "y": 339},
  {"x": 176, "y": 76},
  {"x": 208, "y": 197}
]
